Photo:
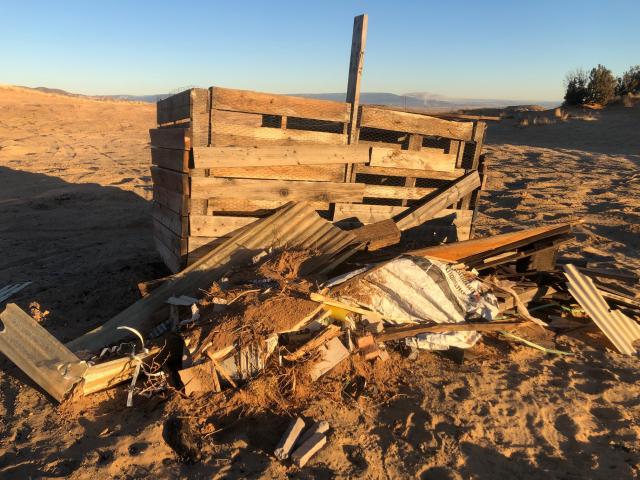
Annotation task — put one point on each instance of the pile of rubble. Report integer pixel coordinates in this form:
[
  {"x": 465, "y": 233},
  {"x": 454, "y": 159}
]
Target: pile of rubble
[{"x": 292, "y": 299}]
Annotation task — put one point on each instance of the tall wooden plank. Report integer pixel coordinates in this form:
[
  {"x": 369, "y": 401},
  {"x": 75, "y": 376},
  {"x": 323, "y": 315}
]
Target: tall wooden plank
[
  {"x": 200, "y": 112},
  {"x": 356, "y": 65}
]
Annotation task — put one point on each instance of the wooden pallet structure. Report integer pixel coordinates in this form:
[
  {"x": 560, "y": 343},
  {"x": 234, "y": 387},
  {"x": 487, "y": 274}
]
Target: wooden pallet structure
[{"x": 221, "y": 158}]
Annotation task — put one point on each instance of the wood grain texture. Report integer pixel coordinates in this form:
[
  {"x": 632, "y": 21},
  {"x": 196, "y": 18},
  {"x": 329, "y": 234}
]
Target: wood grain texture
[
  {"x": 177, "y": 137},
  {"x": 174, "y": 201},
  {"x": 174, "y": 108},
  {"x": 276, "y": 190},
  {"x": 171, "y": 220},
  {"x": 425, "y": 159},
  {"x": 172, "y": 159},
  {"x": 272, "y": 104},
  {"x": 406, "y": 172},
  {"x": 216, "y": 226},
  {"x": 227, "y": 134},
  {"x": 318, "y": 173},
  {"x": 399, "y": 193},
  {"x": 250, "y": 207},
  {"x": 267, "y": 155},
  {"x": 385, "y": 119},
  {"x": 170, "y": 180}
]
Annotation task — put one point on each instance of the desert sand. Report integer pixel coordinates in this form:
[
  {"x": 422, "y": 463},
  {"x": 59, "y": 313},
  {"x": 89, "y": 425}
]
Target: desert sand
[{"x": 75, "y": 220}]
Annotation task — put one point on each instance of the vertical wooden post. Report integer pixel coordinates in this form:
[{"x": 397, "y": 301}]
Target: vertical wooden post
[{"x": 356, "y": 63}]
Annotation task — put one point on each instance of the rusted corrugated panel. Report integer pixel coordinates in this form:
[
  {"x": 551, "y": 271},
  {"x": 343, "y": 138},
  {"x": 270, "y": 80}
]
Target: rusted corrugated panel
[
  {"x": 295, "y": 225},
  {"x": 38, "y": 354},
  {"x": 620, "y": 329}
]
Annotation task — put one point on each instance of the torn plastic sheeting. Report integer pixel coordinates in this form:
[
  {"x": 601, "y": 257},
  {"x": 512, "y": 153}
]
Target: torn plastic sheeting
[{"x": 420, "y": 289}]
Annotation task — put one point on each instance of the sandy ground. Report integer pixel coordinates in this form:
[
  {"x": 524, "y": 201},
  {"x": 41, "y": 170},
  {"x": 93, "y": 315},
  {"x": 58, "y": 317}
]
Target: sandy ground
[{"x": 75, "y": 220}]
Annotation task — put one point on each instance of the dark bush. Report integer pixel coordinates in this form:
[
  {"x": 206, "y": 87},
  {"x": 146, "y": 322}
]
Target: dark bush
[
  {"x": 629, "y": 82},
  {"x": 602, "y": 85},
  {"x": 576, "y": 87}
]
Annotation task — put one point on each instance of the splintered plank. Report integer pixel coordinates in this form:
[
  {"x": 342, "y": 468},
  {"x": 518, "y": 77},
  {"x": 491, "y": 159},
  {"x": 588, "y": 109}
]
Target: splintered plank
[
  {"x": 425, "y": 159},
  {"x": 212, "y": 226},
  {"x": 207, "y": 187},
  {"x": 170, "y": 180},
  {"x": 226, "y": 134},
  {"x": 385, "y": 119},
  {"x": 213, "y": 157},
  {"x": 398, "y": 193},
  {"x": 170, "y": 158},
  {"x": 170, "y": 138},
  {"x": 319, "y": 173},
  {"x": 271, "y": 104}
]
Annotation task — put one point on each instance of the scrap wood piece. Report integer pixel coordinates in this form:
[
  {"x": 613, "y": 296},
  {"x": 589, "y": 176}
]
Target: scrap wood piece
[
  {"x": 534, "y": 345},
  {"x": 620, "y": 329},
  {"x": 417, "y": 216},
  {"x": 378, "y": 235},
  {"x": 331, "y": 354},
  {"x": 327, "y": 334},
  {"x": 308, "y": 449},
  {"x": 622, "y": 275},
  {"x": 398, "y": 333},
  {"x": 318, "y": 427},
  {"x": 317, "y": 297},
  {"x": 475, "y": 250},
  {"x": 288, "y": 440},
  {"x": 519, "y": 305},
  {"x": 38, "y": 353},
  {"x": 109, "y": 374},
  {"x": 200, "y": 378},
  {"x": 12, "y": 289},
  {"x": 368, "y": 347},
  {"x": 295, "y": 224},
  {"x": 221, "y": 369}
]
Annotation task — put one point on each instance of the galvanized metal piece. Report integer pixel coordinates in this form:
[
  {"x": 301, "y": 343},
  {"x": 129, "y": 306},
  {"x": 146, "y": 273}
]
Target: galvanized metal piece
[
  {"x": 620, "y": 329},
  {"x": 38, "y": 354},
  {"x": 6, "y": 292}
]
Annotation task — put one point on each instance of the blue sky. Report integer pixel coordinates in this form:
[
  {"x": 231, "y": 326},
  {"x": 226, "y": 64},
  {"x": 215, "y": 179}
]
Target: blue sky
[{"x": 490, "y": 49}]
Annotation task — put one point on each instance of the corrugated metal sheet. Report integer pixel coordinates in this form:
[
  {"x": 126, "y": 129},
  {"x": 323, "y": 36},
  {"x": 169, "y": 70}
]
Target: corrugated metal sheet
[
  {"x": 38, "y": 354},
  {"x": 12, "y": 289},
  {"x": 295, "y": 225},
  {"x": 620, "y": 329}
]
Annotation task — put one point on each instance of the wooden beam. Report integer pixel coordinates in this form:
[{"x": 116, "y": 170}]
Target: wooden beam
[
  {"x": 216, "y": 226},
  {"x": 264, "y": 156},
  {"x": 398, "y": 333},
  {"x": 426, "y": 159},
  {"x": 249, "y": 207},
  {"x": 232, "y": 135},
  {"x": 170, "y": 158},
  {"x": 170, "y": 138},
  {"x": 272, "y": 104},
  {"x": 385, "y": 119},
  {"x": 316, "y": 173},
  {"x": 406, "y": 172},
  {"x": 171, "y": 180},
  {"x": 399, "y": 193},
  {"x": 445, "y": 198},
  {"x": 203, "y": 187},
  {"x": 173, "y": 108}
]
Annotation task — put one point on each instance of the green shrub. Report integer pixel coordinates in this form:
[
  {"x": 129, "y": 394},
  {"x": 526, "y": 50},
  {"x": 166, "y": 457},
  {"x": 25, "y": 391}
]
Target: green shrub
[
  {"x": 629, "y": 82},
  {"x": 576, "y": 87},
  {"x": 602, "y": 85}
]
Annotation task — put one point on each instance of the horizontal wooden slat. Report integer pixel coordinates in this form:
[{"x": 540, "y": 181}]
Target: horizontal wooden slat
[
  {"x": 174, "y": 108},
  {"x": 406, "y": 172},
  {"x": 170, "y": 158},
  {"x": 250, "y": 207},
  {"x": 266, "y": 103},
  {"x": 174, "y": 222},
  {"x": 384, "y": 119},
  {"x": 170, "y": 258},
  {"x": 170, "y": 138},
  {"x": 227, "y": 134},
  {"x": 425, "y": 159},
  {"x": 319, "y": 173},
  {"x": 170, "y": 180},
  {"x": 170, "y": 239},
  {"x": 210, "y": 226},
  {"x": 174, "y": 201},
  {"x": 211, "y": 157},
  {"x": 196, "y": 243},
  {"x": 276, "y": 190},
  {"x": 400, "y": 193},
  {"x": 367, "y": 214}
]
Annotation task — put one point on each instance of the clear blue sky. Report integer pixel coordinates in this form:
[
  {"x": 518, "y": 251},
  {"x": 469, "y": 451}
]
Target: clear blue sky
[{"x": 490, "y": 49}]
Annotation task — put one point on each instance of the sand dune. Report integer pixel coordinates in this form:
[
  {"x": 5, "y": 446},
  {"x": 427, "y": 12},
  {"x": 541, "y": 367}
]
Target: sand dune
[{"x": 75, "y": 220}]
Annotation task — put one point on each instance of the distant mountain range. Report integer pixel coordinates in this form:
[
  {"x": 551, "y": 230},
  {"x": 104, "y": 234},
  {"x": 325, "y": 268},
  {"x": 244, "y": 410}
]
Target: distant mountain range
[{"x": 414, "y": 100}]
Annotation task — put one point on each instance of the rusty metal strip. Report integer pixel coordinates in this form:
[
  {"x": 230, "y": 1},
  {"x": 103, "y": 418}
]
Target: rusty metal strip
[
  {"x": 620, "y": 329},
  {"x": 38, "y": 353}
]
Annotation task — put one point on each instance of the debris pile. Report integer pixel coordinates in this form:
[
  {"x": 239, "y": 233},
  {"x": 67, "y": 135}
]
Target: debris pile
[{"x": 258, "y": 321}]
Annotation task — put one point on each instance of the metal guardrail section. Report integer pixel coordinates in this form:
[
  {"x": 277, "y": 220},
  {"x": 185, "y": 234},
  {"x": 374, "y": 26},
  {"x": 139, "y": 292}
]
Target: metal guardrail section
[
  {"x": 295, "y": 225},
  {"x": 38, "y": 354},
  {"x": 620, "y": 329}
]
